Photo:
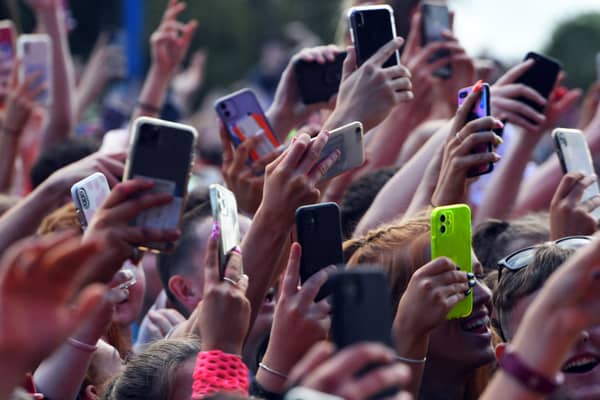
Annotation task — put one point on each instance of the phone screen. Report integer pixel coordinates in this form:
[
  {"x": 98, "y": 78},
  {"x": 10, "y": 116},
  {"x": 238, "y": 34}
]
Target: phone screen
[
  {"x": 436, "y": 20},
  {"x": 481, "y": 109},
  {"x": 372, "y": 29},
  {"x": 162, "y": 154},
  {"x": 541, "y": 76}
]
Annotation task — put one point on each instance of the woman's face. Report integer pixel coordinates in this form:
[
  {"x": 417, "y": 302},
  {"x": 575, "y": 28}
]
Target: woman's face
[
  {"x": 465, "y": 344},
  {"x": 127, "y": 311}
]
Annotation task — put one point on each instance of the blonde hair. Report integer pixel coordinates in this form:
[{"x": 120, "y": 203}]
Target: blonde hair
[{"x": 63, "y": 219}]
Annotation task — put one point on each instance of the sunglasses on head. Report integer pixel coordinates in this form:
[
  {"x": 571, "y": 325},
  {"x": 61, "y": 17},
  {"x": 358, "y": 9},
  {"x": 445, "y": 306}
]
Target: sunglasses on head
[{"x": 522, "y": 258}]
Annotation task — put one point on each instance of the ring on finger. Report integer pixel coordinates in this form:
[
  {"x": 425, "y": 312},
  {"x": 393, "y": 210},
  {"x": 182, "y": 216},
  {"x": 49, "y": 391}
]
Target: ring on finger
[
  {"x": 230, "y": 281},
  {"x": 458, "y": 138}
]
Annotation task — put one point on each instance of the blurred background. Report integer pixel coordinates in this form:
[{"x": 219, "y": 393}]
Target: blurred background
[{"x": 243, "y": 37}]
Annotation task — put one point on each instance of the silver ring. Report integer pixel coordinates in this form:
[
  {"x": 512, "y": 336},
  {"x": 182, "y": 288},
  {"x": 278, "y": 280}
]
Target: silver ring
[
  {"x": 231, "y": 281},
  {"x": 458, "y": 137}
]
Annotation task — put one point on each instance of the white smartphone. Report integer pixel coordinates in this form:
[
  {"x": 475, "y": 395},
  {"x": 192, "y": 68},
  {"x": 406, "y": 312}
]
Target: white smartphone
[
  {"x": 88, "y": 195},
  {"x": 35, "y": 53},
  {"x": 575, "y": 156},
  {"x": 225, "y": 213},
  {"x": 348, "y": 139},
  {"x": 163, "y": 152},
  {"x": 7, "y": 53}
]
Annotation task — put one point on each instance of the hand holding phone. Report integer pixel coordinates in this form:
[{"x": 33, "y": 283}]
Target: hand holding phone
[
  {"x": 435, "y": 20},
  {"x": 371, "y": 28},
  {"x": 173, "y": 144},
  {"x": 319, "y": 82},
  {"x": 35, "y": 53},
  {"x": 541, "y": 76},
  {"x": 348, "y": 141},
  {"x": 88, "y": 195},
  {"x": 225, "y": 214}
]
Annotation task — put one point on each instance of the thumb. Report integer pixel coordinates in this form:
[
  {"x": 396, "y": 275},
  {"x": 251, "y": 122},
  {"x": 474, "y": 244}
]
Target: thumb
[{"x": 349, "y": 63}]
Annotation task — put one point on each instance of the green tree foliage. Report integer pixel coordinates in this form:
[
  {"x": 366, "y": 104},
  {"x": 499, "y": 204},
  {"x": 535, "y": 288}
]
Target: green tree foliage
[{"x": 575, "y": 43}]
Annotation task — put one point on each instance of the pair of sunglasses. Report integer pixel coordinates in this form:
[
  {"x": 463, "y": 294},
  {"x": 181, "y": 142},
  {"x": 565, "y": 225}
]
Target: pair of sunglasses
[{"x": 522, "y": 258}]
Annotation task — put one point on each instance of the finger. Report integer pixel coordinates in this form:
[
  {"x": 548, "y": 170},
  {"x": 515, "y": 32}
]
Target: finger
[
  {"x": 316, "y": 356},
  {"x": 160, "y": 321},
  {"x": 414, "y": 41},
  {"x": 211, "y": 260},
  {"x": 349, "y": 63},
  {"x": 574, "y": 197},
  {"x": 519, "y": 121},
  {"x": 243, "y": 152},
  {"x": 188, "y": 33},
  {"x": 135, "y": 235},
  {"x": 228, "y": 153},
  {"x": 133, "y": 207},
  {"x": 386, "y": 51},
  {"x": 515, "y": 73},
  {"x": 518, "y": 107},
  {"x": 323, "y": 167},
  {"x": 295, "y": 152},
  {"x": 173, "y": 25},
  {"x": 480, "y": 125},
  {"x": 311, "y": 287},
  {"x": 242, "y": 283},
  {"x": 400, "y": 85},
  {"x": 394, "y": 375},
  {"x": 476, "y": 160},
  {"x": 437, "y": 266},
  {"x": 591, "y": 204},
  {"x": 173, "y": 10},
  {"x": 174, "y": 316},
  {"x": 125, "y": 190},
  {"x": 14, "y": 76},
  {"x": 234, "y": 268},
  {"x": 63, "y": 262},
  {"x": 312, "y": 156},
  {"x": 292, "y": 274},
  {"x": 397, "y": 71},
  {"x": 566, "y": 185},
  {"x": 266, "y": 160},
  {"x": 520, "y": 90},
  {"x": 462, "y": 114}
]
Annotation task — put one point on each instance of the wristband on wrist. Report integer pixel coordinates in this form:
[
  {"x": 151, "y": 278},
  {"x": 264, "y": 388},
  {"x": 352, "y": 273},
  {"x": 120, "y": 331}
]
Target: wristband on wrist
[
  {"x": 148, "y": 107},
  {"x": 82, "y": 346},
  {"x": 529, "y": 378},
  {"x": 217, "y": 372}
]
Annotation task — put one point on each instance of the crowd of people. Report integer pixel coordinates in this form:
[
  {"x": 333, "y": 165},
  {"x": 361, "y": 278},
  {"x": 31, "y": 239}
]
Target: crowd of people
[{"x": 84, "y": 314}]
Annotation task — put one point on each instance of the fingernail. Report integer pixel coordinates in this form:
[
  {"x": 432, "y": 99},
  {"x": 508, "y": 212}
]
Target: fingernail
[
  {"x": 470, "y": 276},
  {"x": 237, "y": 250},
  {"x": 472, "y": 283},
  {"x": 128, "y": 274},
  {"x": 478, "y": 85},
  {"x": 216, "y": 230},
  {"x": 499, "y": 140},
  {"x": 499, "y": 124},
  {"x": 497, "y": 157}
]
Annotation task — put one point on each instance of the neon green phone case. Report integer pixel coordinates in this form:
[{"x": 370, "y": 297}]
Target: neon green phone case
[{"x": 451, "y": 237}]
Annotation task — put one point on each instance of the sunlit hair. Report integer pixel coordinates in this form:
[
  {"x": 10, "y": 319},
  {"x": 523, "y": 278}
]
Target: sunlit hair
[{"x": 63, "y": 219}]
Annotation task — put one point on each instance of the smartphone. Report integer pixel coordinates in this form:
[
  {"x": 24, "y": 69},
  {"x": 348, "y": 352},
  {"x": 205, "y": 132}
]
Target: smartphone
[
  {"x": 575, "y": 156},
  {"x": 482, "y": 109},
  {"x": 243, "y": 117},
  {"x": 348, "y": 139},
  {"x": 361, "y": 312},
  {"x": 7, "y": 53},
  {"x": 163, "y": 152},
  {"x": 436, "y": 19},
  {"x": 541, "y": 76},
  {"x": 319, "y": 232},
  {"x": 451, "y": 238},
  {"x": 319, "y": 82},
  {"x": 88, "y": 195},
  {"x": 35, "y": 53},
  {"x": 225, "y": 213},
  {"x": 371, "y": 28}
]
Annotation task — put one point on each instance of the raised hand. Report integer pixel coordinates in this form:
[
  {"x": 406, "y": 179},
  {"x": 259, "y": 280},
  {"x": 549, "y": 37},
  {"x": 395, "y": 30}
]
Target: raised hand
[
  {"x": 338, "y": 374},
  {"x": 296, "y": 315},
  {"x": 20, "y": 102},
  {"x": 458, "y": 158},
  {"x": 224, "y": 312},
  {"x": 568, "y": 216},
  {"x": 41, "y": 299},
  {"x": 246, "y": 181},
  {"x": 171, "y": 41},
  {"x": 369, "y": 93},
  {"x": 290, "y": 180},
  {"x": 111, "y": 165}
]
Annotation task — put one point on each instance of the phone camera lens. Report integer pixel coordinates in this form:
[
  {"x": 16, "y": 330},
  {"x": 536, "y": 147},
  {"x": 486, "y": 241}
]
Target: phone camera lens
[
  {"x": 227, "y": 114},
  {"x": 443, "y": 229},
  {"x": 442, "y": 218},
  {"x": 357, "y": 130},
  {"x": 223, "y": 106}
]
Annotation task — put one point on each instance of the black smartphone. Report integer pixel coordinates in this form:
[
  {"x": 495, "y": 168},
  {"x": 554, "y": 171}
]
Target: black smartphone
[
  {"x": 361, "y": 311},
  {"x": 482, "y": 109},
  {"x": 162, "y": 152},
  {"x": 319, "y": 232},
  {"x": 541, "y": 76},
  {"x": 436, "y": 19},
  {"x": 319, "y": 82},
  {"x": 371, "y": 28}
]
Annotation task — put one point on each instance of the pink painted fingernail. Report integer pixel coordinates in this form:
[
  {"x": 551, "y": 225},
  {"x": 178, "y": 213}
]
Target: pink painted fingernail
[
  {"x": 216, "y": 230},
  {"x": 237, "y": 250}
]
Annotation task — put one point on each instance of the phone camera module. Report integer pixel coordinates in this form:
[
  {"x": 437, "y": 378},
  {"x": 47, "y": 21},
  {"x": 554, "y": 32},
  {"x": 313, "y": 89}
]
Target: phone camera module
[{"x": 83, "y": 198}]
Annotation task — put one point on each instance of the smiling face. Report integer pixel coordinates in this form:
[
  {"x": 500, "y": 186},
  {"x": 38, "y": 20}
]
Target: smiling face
[
  {"x": 581, "y": 366},
  {"x": 465, "y": 344}
]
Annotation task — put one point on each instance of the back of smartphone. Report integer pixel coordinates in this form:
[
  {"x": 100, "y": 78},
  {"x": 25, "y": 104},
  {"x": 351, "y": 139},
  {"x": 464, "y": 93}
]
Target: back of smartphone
[
  {"x": 243, "y": 117},
  {"x": 436, "y": 19},
  {"x": 348, "y": 139},
  {"x": 7, "y": 53},
  {"x": 451, "y": 238},
  {"x": 482, "y": 109},
  {"x": 35, "y": 53},
  {"x": 320, "y": 235},
  {"x": 541, "y": 76},
  {"x": 88, "y": 195},
  {"x": 371, "y": 28},
  {"x": 574, "y": 154},
  {"x": 163, "y": 152},
  {"x": 225, "y": 213},
  {"x": 319, "y": 82}
]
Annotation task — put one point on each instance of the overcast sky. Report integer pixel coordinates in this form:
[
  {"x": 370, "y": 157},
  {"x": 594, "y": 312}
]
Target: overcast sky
[{"x": 511, "y": 28}]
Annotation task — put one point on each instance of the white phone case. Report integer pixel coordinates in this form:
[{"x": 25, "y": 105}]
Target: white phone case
[
  {"x": 224, "y": 210},
  {"x": 88, "y": 195},
  {"x": 35, "y": 52},
  {"x": 348, "y": 139},
  {"x": 575, "y": 156}
]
